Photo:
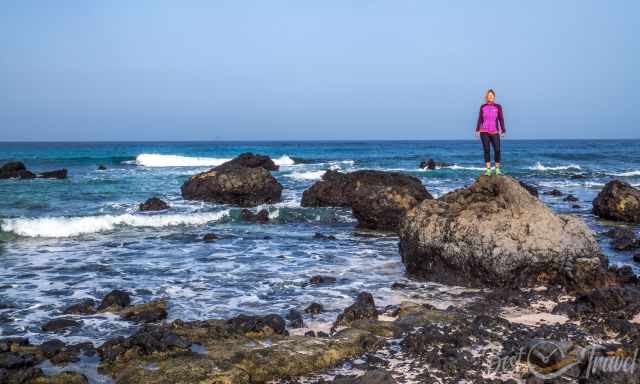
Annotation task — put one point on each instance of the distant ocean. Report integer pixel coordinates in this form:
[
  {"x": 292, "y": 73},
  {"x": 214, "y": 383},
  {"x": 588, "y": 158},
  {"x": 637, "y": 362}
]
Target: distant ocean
[{"x": 63, "y": 240}]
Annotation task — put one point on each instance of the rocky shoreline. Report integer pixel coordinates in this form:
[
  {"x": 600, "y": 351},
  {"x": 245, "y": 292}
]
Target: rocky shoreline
[{"x": 543, "y": 302}]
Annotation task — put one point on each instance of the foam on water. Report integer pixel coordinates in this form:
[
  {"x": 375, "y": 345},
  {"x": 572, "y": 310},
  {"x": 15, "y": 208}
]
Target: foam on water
[
  {"x": 309, "y": 175},
  {"x": 154, "y": 160},
  {"x": 625, "y": 174},
  {"x": 74, "y": 226},
  {"x": 541, "y": 167}
]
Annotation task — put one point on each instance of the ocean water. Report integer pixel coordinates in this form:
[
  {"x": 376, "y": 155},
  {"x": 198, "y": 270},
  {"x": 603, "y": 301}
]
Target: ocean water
[{"x": 63, "y": 240}]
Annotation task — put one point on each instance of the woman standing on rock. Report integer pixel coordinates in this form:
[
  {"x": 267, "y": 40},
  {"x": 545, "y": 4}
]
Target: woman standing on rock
[{"x": 490, "y": 127}]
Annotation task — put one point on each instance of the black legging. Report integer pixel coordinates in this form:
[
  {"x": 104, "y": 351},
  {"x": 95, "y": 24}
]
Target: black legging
[{"x": 487, "y": 141}]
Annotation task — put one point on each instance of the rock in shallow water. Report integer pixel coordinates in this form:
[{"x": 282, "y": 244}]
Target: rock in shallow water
[
  {"x": 618, "y": 201},
  {"x": 363, "y": 308},
  {"x": 242, "y": 182},
  {"x": 153, "y": 204},
  {"x": 378, "y": 199},
  {"x": 495, "y": 233}
]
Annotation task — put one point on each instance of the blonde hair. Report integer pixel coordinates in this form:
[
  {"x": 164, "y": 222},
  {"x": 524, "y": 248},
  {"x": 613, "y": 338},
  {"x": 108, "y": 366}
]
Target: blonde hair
[{"x": 490, "y": 91}]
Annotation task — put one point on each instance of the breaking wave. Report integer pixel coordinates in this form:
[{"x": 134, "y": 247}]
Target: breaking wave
[{"x": 74, "y": 226}]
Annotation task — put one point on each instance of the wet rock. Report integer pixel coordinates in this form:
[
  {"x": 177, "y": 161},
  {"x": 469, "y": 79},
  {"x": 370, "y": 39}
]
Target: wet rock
[
  {"x": 310, "y": 334},
  {"x": 636, "y": 257},
  {"x": 259, "y": 325},
  {"x": 611, "y": 302},
  {"x": 250, "y": 160},
  {"x": 571, "y": 198},
  {"x": 144, "y": 342},
  {"x": 84, "y": 307},
  {"x": 320, "y": 279},
  {"x": 102, "y": 167},
  {"x": 431, "y": 164},
  {"x": 234, "y": 183},
  {"x": 51, "y": 348},
  {"x": 114, "y": 301},
  {"x": 261, "y": 217},
  {"x": 322, "y": 334},
  {"x": 150, "y": 312},
  {"x": 15, "y": 170},
  {"x": 618, "y": 201},
  {"x": 378, "y": 199},
  {"x": 576, "y": 206},
  {"x": 230, "y": 356},
  {"x": 530, "y": 188},
  {"x": 321, "y": 236},
  {"x": 59, "y": 174},
  {"x": 59, "y": 325},
  {"x": 554, "y": 192},
  {"x": 363, "y": 308},
  {"x": 153, "y": 204},
  {"x": 314, "y": 309},
  {"x": 9, "y": 343},
  {"x": 494, "y": 233},
  {"x": 210, "y": 237},
  {"x": 624, "y": 240},
  {"x": 376, "y": 376},
  {"x": 295, "y": 319}
]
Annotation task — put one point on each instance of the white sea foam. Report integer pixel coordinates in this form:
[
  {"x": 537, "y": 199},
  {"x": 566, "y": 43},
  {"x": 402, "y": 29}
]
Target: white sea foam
[
  {"x": 155, "y": 160},
  {"x": 541, "y": 167},
  {"x": 625, "y": 174},
  {"x": 74, "y": 226},
  {"x": 310, "y": 175},
  {"x": 456, "y": 167}
]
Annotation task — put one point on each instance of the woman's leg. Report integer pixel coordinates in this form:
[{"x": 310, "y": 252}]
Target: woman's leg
[
  {"x": 495, "y": 142},
  {"x": 486, "y": 147}
]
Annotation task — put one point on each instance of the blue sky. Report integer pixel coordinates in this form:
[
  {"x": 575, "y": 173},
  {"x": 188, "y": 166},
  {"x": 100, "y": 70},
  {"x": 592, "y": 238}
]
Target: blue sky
[{"x": 273, "y": 70}]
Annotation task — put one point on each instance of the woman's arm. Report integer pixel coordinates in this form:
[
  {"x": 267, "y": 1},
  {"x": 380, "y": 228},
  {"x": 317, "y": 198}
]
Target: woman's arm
[
  {"x": 479, "y": 123},
  {"x": 501, "y": 119}
]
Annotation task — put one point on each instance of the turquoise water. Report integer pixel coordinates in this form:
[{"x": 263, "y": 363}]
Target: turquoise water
[{"x": 62, "y": 240}]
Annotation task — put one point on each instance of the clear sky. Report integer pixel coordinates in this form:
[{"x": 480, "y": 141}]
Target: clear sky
[{"x": 272, "y": 70}]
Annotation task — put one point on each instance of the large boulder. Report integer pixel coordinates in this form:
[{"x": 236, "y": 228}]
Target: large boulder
[
  {"x": 250, "y": 160},
  {"x": 378, "y": 199},
  {"x": 235, "y": 183},
  {"x": 618, "y": 201},
  {"x": 495, "y": 233},
  {"x": 15, "y": 170},
  {"x": 153, "y": 204}
]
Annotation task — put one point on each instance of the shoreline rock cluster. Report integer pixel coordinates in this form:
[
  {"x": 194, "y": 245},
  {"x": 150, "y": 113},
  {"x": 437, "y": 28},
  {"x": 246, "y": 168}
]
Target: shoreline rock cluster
[{"x": 17, "y": 170}]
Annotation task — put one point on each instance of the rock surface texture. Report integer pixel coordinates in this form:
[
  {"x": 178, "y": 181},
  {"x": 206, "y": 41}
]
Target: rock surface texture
[
  {"x": 495, "y": 233},
  {"x": 378, "y": 199},
  {"x": 243, "y": 181},
  {"x": 618, "y": 201}
]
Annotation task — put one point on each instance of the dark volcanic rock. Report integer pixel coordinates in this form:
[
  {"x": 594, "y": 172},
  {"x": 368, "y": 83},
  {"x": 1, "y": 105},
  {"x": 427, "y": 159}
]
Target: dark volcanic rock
[
  {"x": 431, "y": 164},
  {"x": 319, "y": 279},
  {"x": 153, "y": 204},
  {"x": 636, "y": 257},
  {"x": 295, "y": 319},
  {"x": 624, "y": 239},
  {"x": 376, "y": 376},
  {"x": 378, "y": 199},
  {"x": 210, "y": 237},
  {"x": 58, "y": 325},
  {"x": 234, "y": 183},
  {"x": 321, "y": 236},
  {"x": 115, "y": 300},
  {"x": 15, "y": 170},
  {"x": 495, "y": 233},
  {"x": 363, "y": 308},
  {"x": 250, "y": 160},
  {"x": 259, "y": 324},
  {"x": 554, "y": 192},
  {"x": 146, "y": 341},
  {"x": 612, "y": 302},
  {"x": 314, "y": 309},
  {"x": 150, "y": 312},
  {"x": 84, "y": 307},
  {"x": 102, "y": 167},
  {"x": 618, "y": 201},
  {"x": 570, "y": 198},
  {"x": 59, "y": 174},
  {"x": 261, "y": 217}
]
